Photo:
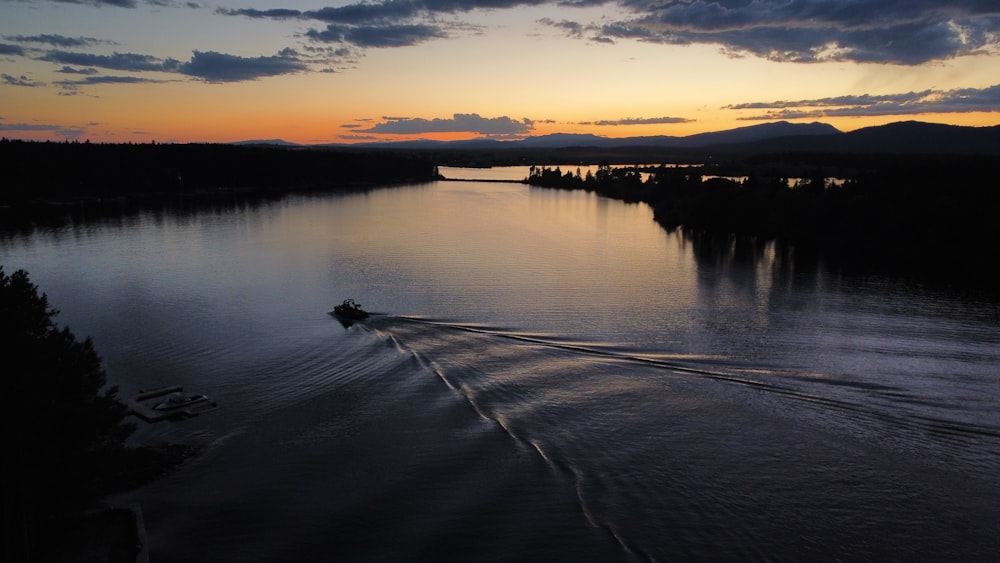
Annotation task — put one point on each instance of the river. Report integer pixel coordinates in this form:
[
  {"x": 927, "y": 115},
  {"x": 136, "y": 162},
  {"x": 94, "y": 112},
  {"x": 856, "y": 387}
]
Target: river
[{"x": 547, "y": 376}]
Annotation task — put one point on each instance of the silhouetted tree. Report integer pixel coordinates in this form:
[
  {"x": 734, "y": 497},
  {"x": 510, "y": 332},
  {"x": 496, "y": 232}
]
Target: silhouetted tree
[{"x": 62, "y": 436}]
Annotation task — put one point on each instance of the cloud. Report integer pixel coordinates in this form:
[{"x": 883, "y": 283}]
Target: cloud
[
  {"x": 459, "y": 123},
  {"x": 377, "y": 35},
  {"x": 643, "y": 121},
  {"x": 962, "y": 100},
  {"x": 899, "y": 32},
  {"x": 7, "y": 49},
  {"x": 59, "y": 40},
  {"x": 84, "y": 71},
  {"x": 19, "y": 81},
  {"x": 62, "y": 130},
  {"x": 117, "y": 61},
  {"x": 92, "y": 80},
  {"x": 118, "y": 3},
  {"x": 868, "y": 31},
  {"x": 277, "y": 13},
  {"x": 388, "y": 23},
  {"x": 570, "y": 28},
  {"x": 212, "y": 66}
]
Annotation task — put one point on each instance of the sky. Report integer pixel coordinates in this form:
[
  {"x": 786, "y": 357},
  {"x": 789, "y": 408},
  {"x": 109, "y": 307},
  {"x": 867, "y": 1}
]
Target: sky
[{"x": 331, "y": 71}]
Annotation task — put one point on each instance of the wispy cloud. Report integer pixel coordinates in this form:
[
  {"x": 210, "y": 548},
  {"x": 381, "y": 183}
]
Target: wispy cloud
[
  {"x": 84, "y": 71},
  {"x": 459, "y": 123},
  {"x": 118, "y": 3},
  {"x": 275, "y": 13},
  {"x": 642, "y": 121},
  {"x": 962, "y": 100},
  {"x": 110, "y": 79},
  {"x": 19, "y": 81},
  {"x": 387, "y": 35},
  {"x": 66, "y": 131},
  {"x": 59, "y": 40},
  {"x": 116, "y": 61}
]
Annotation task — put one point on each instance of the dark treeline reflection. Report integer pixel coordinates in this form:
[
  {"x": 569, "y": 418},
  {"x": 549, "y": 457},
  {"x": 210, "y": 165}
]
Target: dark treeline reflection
[
  {"x": 928, "y": 216},
  {"x": 44, "y": 179}
]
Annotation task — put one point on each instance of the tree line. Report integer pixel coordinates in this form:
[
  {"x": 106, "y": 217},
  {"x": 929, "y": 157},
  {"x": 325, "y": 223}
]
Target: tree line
[
  {"x": 45, "y": 174},
  {"x": 932, "y": 215}
]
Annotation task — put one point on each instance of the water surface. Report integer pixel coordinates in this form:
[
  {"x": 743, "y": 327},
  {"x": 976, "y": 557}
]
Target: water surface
[{"x": 549, "y": 376}]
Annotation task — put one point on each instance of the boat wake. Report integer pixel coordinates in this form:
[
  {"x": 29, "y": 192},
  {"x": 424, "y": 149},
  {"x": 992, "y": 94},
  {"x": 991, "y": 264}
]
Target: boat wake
[{"x": 637, "y": 431}]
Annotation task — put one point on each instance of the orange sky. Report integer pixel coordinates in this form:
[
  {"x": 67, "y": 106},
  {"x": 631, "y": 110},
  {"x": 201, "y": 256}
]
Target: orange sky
[{"x": 321, "y": 72}]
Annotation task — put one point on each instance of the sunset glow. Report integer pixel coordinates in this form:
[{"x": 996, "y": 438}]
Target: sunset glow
[{"x": 344, "y": 72}]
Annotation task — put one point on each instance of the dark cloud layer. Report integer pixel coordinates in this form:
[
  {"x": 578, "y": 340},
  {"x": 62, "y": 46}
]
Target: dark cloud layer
[
  {"x": 903, "y": 32},
  {"x": 871, "y": 31},
  {"x": 962, "y": 100},
  {"x": 880, "y": 31},
  {"x": 212, "y": 66},
  {"x": 15, "y": 50}
]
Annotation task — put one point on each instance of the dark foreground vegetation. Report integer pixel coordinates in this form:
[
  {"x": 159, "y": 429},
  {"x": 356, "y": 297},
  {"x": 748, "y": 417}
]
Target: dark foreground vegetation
[
  {"x": 64, "y": 439},
  {"x": 930, "y": 216},
  {"x": 46, "y": 179}
]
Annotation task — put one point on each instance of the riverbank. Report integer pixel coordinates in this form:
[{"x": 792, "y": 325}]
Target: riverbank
[
  {"x": 927, "y": 217},
  {"x": 112, "y": 533},
  {"x": 107, "y": 535}
]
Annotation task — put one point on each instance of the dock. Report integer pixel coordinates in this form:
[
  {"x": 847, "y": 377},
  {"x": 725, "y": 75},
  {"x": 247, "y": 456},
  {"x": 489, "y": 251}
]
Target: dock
[{"x": 143, "y": 404}]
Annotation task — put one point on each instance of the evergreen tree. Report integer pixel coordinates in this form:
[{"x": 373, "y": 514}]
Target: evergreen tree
[{"x": 62, "y": 436}]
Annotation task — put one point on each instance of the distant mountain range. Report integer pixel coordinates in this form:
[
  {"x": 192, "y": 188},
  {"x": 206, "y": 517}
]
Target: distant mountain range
[{"x": 905, "y": 137}]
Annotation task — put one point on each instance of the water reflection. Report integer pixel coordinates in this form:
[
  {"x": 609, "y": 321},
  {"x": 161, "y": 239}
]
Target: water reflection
[{"x": 709, "y": 383}]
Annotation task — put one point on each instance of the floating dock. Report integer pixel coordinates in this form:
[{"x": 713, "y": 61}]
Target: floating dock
[{"x": 143, "y": 404}]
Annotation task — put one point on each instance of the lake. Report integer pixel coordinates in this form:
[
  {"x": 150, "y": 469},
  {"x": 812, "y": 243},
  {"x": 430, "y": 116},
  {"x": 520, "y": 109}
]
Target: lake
[{"x": 547, "y": 376}]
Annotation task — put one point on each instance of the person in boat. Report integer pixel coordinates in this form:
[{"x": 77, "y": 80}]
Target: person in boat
[{"x": 351, "y": 310}]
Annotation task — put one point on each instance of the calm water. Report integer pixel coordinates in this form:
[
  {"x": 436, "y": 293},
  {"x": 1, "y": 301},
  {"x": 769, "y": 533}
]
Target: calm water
[{"x": 550, "y": 377}]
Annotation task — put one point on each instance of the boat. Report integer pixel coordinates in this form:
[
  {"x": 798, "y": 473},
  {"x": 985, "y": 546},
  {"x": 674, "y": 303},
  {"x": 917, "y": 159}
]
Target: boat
[
  {"x": 350, "y": 311},
  {"x": 180, "y": 400},
  {"x": 168, "y": 403}
]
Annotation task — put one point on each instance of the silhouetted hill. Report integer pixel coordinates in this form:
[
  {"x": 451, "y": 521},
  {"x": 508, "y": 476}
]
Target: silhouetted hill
[
  {"x": 764, "y": 131},
  {"x": 747, "y": 134},
  {"x": 905, "y": 137},
  {"x": 268, "y": 142}
]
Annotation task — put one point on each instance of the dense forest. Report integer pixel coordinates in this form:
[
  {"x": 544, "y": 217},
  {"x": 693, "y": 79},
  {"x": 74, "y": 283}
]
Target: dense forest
[
  {"x": 932, "y": 216},
  {"x": 45, "y": 177}
]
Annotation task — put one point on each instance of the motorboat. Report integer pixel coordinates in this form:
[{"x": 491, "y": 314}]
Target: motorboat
[
  {"x": 350, "y": 311},
  {"x": 180, "y": 400},
  {"x": 168, "y": 403}
]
